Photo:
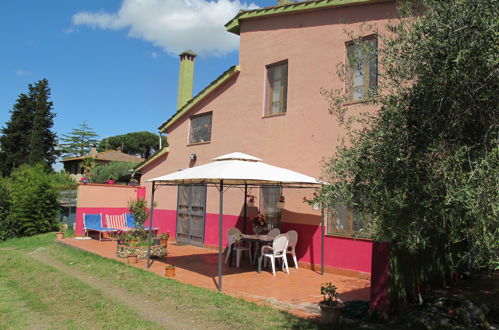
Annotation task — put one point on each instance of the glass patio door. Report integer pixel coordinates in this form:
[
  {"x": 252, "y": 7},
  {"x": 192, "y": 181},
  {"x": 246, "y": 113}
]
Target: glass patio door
[{"x": 191, "y": 211}]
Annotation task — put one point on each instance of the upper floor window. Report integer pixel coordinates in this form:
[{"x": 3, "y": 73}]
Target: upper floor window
[
  {"x": 200, "y": 128},
  {"x": 362, "y": 78},
  {"x": 277, "y": 89}
]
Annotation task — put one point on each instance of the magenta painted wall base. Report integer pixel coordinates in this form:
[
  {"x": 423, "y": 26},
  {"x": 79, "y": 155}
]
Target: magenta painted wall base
[
  {"x": 340, "y": 252},
  {"x": 380, "y": 278}
]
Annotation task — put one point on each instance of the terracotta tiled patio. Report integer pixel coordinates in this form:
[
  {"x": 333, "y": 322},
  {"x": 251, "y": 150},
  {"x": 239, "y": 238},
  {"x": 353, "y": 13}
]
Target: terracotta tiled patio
[{"x": 297, "y": 292}]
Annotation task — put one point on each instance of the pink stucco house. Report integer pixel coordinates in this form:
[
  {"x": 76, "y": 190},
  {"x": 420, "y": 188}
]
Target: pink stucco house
[{"x": 270, "y": 106}]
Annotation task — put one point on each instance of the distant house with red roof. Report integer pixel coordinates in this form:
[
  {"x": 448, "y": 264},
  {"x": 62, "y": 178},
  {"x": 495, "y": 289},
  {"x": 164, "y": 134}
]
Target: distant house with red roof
[{"x": 73, "y": 165}]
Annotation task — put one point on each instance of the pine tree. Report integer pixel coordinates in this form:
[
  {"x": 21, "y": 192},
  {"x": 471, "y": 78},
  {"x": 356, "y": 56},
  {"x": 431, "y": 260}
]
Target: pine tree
[
  {"x": 42, "y": 140},
  {"x": 78, "y": 142},
  {"x": 142, "y": 144},
  {"x": 16, "y": 136}
]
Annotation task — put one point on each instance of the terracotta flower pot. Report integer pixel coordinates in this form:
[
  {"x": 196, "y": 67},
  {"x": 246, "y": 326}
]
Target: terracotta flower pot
[
  {"x": 59, "y": 235},
  {"x": 170, "y": 271},
  {"x": 132, "y": 259},
  {"x": 331, "y": 314}
]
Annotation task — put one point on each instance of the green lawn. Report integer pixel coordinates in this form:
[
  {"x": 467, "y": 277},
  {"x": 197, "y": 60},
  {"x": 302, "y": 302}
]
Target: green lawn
[{"x": 46, "y": 285}]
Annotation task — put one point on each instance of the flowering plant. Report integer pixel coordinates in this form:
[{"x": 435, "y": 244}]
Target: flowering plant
[
  {"x": 86, "y": 177},
  {"x": 312, "y": 200},
  {"x": 282, "y": 199},
  {"x": 259, "y": 220}
]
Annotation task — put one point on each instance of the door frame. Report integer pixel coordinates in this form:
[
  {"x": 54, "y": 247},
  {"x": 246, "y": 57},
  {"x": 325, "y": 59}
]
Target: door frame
[{"x": 189, "y": 240}]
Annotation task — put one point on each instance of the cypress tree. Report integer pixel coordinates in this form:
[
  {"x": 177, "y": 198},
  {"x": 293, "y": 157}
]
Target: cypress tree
[
  {"x": 42, "y": 140},
  {"x": 16, "y": 136}
]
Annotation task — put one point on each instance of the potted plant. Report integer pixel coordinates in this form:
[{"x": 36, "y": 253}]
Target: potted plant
[
  {"x": 60, "y": 234},
  {"x": 111, "y": 179},
  {"x": 132, "y": 257},
  {"x": 281, "y": 201},
  {"x": 132, "y": 239},
  {"x": 170, "y": 270},
  {"x": 164, "y": 238},
  {"x": 121, "y": 237},
  {"x": 140, "y": 212},
  {"x": 251, "y": 200},
  {"x": 330, "y": 306},
  {"x": 84, "y": 179},
  {"x": 259, "y": 223}
]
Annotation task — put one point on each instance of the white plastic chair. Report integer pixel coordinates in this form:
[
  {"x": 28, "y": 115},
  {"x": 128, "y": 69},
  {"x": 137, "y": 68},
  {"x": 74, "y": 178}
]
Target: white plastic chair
[
  {"x": 232, "y": 244},
  {"x": 274, "y": 232},
  {"x": 293, "y": 239},
  {"x": 278, "y": 250}
]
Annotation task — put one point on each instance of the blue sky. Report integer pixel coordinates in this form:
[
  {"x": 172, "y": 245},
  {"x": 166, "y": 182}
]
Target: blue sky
[{"x": 112, "y": 63}]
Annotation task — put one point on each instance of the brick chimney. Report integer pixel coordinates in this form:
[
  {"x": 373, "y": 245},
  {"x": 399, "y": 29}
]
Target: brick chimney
[{"x": 186, "y": 77}]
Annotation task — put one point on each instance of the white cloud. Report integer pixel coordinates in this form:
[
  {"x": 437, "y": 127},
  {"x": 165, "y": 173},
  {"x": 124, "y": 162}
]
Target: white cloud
[
  {"x": 154, "y": 55},
  {"x": 22, "y": 72},
  {"x": 174, "y": 25}
]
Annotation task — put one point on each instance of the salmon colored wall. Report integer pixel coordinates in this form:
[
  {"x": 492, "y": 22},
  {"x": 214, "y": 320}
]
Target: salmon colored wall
[
  {"x": 106, "y": 195},
  {"x": 313, "y": 43},
  {"x": 105, "y": 199}
]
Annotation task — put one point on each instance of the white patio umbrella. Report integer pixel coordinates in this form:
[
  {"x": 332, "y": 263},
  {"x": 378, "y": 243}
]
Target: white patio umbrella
[{"x": 233, "y": 169}]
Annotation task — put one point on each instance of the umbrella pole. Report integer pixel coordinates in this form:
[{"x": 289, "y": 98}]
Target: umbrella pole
[
  {"x": 245, "y": 205},
  {"x": 322, "y": 240},
  {"x": 220, "y": 218},
  {"x": 150, "y": 227}
]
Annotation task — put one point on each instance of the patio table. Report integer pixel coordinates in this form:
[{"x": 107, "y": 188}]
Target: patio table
[{"x": 258, "y": 240}]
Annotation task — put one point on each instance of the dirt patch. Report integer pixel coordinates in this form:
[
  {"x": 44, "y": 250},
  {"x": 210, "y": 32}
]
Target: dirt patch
[{"x": 147, "y": 309}]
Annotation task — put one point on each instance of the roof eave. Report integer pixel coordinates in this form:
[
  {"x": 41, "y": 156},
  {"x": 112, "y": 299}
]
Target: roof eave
[
  {"x": 153, "y": 158},
  {"x": 234, "y": 25}
]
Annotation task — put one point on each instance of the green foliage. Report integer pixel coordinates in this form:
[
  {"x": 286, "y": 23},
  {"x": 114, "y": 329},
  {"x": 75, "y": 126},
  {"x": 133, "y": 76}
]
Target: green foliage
[
  {"x": 6, "y": 229},
  {"x": 15, "y": 139},
  {"x": 138, "y": 209},
  {"x": 142, "y": 144},
  {"x": 33, "y": 202},
  {"x": 62, "y": 180},
  {"x": 102, "y": 173},
  {"x": 423, "y": 170},
  {"x": 329, "y": 293},
  {"x": 78, "y": 142},
  {"x": 42, "y": 139},
  {"x": 27, "y": 136}
]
